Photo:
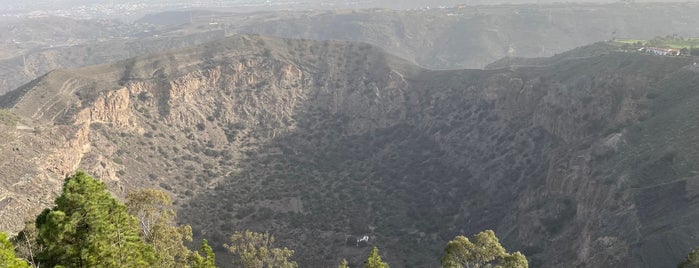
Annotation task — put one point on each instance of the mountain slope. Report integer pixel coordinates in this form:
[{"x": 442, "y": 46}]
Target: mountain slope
[{"x": 582, "y": 161}]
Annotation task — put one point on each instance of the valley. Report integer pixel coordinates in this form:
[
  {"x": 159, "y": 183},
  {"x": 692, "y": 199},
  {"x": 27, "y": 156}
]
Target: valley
[
  {"x": 321, "y": 141},
  {"x": 335, "y": 130}
]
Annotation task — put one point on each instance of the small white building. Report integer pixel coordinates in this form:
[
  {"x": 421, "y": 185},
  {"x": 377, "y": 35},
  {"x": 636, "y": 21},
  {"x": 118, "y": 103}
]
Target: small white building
[{"x": 663, "y": 51}]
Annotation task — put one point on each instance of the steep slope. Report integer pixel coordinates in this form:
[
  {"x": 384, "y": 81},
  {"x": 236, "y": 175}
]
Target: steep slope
[{"x": 579, "y": 162}]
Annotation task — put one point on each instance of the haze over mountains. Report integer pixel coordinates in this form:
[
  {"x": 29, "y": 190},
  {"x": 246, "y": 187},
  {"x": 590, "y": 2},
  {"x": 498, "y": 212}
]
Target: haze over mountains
[
  {"x": 332, "y": 125},
  {"x": 468, "y": 37}
]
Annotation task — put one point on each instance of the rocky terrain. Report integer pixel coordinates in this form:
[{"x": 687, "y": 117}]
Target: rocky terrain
[
  {"x": 442, "y": 38},
  {"x": 581, "y": 160}
]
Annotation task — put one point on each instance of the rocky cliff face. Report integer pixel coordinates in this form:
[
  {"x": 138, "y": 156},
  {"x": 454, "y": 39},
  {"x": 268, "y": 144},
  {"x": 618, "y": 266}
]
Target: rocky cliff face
[{"x": 577, "y": 162}]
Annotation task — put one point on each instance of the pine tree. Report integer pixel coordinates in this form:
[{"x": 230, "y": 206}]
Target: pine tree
[
  {"x": 374, "y": 260},
  {"x": 207, "y": 261},
  {"x": 209, "y": 256},
  {"x": 87, "y": 227},
  {"x": 484, "y": 251},
  {"x": 156, "y": 218},
  {"x": 7, "y": 254}
]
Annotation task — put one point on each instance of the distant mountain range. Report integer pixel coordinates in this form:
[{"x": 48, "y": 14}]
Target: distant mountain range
[{"x": 436, "y": 39}]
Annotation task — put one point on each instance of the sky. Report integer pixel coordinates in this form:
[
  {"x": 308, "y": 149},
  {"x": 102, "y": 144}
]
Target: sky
[{"x": 120, "y": 8}]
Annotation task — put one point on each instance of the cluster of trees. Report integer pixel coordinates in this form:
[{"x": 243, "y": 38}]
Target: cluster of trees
[
  {"x": 484, "y": 251},
  {"x": 87, "y": 227}
]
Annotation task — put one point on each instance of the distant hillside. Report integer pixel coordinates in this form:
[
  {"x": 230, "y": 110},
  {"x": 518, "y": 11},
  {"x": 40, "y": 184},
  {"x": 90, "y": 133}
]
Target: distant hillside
[
  {"x": 23, "y": 35},
  {"x": 588, "y": 51},
  {"x": 585, "y": 162},
  {"x": 474, "y": 36},
  {"x": 448, "y": 38}
]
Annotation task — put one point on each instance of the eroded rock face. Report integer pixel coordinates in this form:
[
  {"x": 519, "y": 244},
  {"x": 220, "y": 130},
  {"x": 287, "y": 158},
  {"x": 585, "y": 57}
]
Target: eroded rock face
[
  {"x": 320, "y": 141},
  {"x": 112, "y": 108}
]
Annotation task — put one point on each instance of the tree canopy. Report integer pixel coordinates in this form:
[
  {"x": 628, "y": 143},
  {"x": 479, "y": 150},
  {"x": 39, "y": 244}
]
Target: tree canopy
[
  {"x": 374, "y": 260},
  {"x": 484, "y": 251},
  {"x": 87, "y": 227},
  {"x": 206, "y": 261},
  {"x": 156, "y": 219},
  {"x": 255, "y": 250}
]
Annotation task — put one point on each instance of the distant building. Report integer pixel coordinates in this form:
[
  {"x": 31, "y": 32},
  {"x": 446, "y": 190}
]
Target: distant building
[{"x": 661, "y": 51}]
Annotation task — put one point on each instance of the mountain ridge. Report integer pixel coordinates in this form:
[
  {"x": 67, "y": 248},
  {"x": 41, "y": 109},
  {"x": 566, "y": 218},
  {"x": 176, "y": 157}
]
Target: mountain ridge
[{"x": 471, "y": 37}]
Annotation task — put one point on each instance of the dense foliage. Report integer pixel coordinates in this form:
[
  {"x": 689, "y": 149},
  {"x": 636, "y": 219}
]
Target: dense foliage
[
  {"x": 374, "y": 260},
  {"x": 255, "y": 250},
  {"x": 206, "y": 261},
  {"x": 156, "y": 218},
  {"x": 87, "y": 227},
  {"x": 484, "y": 251},
  {"x": 7, "y": 254}
]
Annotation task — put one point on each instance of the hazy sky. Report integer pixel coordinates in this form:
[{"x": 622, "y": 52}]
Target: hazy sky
[
  {"x": 117, "y": 8},
  {"x": 69, "y": 3}
]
